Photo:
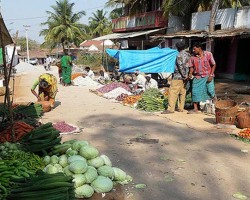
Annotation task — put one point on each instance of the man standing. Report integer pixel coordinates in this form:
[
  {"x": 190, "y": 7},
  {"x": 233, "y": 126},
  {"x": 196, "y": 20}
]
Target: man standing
[
  {"x": 48, "y": 62},
  {"x": 202, "y": 67},
  {"x": 179, "y": 80}
]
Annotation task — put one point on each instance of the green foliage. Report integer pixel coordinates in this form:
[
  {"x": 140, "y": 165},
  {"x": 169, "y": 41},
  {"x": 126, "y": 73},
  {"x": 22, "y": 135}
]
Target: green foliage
[
  {"x": 63, "y": 25},
  {"x": 21, "y": 41},
  {"x": 91, "y": 60},
  {"x": 99, "y": 24}
]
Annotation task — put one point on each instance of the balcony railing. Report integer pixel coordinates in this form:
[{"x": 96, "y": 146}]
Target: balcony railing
[{"x": 154, "y": 19}]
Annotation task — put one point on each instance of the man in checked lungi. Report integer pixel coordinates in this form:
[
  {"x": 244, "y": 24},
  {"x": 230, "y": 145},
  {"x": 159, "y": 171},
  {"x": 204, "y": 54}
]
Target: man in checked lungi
[{"x": 202, "y": 67}]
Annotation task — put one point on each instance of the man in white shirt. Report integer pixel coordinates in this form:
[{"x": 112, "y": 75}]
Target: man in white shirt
[
  {"x": 150, "y": 82},
  {"x": 48, "y": 63},
  {"x": 90, "y": 73},
  {"x": 103, "y": 78},
  {"x": 138, "y": 85},
  {"x": 140, "y": 80}
]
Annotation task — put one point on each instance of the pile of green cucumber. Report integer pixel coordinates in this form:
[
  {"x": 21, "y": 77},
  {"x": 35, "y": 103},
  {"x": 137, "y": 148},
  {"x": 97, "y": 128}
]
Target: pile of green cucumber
[
  {"x": 41, "y": 140},
  {"x": 33, "y": 110},
  {"x": 43, "y": 187},
  {"x": 152, "y": 101}
]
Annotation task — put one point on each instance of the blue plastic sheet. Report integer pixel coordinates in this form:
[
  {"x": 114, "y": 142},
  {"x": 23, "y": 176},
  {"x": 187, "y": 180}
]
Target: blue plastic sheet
[{"x": 155, "y": 60}]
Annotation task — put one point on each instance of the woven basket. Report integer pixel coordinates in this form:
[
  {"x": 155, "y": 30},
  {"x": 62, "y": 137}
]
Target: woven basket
[
  {"x": 243, "y": 119},
  {"x": 226, "y": 111},
  {"x": 45, "y": 105}
]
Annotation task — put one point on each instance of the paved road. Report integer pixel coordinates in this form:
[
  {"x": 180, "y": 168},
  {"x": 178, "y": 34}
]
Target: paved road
[{"x": 186, "y": 164}]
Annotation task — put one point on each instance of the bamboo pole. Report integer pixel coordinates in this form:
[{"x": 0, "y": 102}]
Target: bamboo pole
[
  {"x": 7, "y": 91},
  {"x": 11, "y": 64}
]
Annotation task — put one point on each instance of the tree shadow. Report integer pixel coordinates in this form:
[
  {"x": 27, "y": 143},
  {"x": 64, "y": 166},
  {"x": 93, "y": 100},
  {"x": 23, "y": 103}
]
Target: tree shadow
[{"x": 180, "y": 166}]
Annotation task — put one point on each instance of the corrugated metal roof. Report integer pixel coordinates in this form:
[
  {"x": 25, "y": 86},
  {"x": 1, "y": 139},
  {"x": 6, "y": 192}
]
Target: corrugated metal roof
[
  {"x": 5, "y": 33},
  {"x": 127, "y": 34},
  {"x": 204, "y": 34},
  {"x": 230, "y": 32},
  {"x": 183, "y": 34}
]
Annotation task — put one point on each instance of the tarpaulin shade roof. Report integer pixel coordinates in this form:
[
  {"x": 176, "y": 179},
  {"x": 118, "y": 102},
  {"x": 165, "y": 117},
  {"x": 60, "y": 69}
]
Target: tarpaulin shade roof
[
  {"x": 155, "y": 60},
  {"x": 126, "y": 35},
  {"x": 5, "y": 34}
]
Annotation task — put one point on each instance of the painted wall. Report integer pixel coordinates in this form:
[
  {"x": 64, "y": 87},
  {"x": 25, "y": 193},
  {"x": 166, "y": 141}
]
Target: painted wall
[
  {"x": 225, "y": 17},
  {"x": 243, "y": 18}
]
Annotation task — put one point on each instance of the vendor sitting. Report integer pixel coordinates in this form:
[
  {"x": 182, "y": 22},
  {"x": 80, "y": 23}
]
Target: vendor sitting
[
  {"x": 138, "y": 85},
  {"x": 103, "y": 78},
  {"x": 89, "y": 73},
  {"x": 150, "y": 82},
  {"x": 47, "y": 88}
]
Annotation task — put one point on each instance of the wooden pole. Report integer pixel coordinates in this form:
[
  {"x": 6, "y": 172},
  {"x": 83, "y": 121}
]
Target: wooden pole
[
  {"x": 11, "y": 64},
  {"x": 7, "y": 91}
]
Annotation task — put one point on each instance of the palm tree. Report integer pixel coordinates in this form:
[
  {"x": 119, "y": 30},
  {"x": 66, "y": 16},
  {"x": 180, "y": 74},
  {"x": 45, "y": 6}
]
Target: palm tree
[
  {"x": 63, "y": 25},
  {"x": 99, "y": 24}
]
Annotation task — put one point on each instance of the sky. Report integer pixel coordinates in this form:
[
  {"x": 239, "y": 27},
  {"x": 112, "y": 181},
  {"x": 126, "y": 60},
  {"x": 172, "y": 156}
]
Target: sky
[{"x": 20, "y": 13}]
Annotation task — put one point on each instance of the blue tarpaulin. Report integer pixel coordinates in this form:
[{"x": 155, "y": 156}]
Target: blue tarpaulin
[{"x": 155, "y": 60}]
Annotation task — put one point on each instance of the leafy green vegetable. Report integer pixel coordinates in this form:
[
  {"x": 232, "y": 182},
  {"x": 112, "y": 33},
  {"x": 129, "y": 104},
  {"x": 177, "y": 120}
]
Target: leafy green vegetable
[
  {"x": 67, "y": 171},
  {"x": 107, "y": 161},
  {"x": 75, "y": 157},
  {"x": 78, "y": 144},
  {"x": 90, "y": 174},
  {"x": 89, "y": 152},
  {"x": 79, "y": 180},
  {"x": 120, "y": 175},
  {"x": 106, "y": 171},
  {"x": 96, "y": 162},
  {"x": 102, "y": 184},
  {"x": 63, "y": 160},
  {"x": 54, "y": 159},
  {"x": 51, "y": 169},
  {"x": 140, "y": 186},
  {"x": 84, "y": 191},
  {"x": 46, "y": 160},
  {"x": 78, "y": 167},
  {"x": 71, "y": 152},
  {"x": 239, "y": 195}
]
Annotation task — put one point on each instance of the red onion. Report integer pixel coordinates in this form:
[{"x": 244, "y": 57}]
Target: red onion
[{"x": 63, "y": 127}]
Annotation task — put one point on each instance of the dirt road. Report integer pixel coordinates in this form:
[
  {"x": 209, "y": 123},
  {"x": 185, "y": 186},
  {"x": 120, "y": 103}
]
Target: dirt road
[{"x": 189, "y": 162}]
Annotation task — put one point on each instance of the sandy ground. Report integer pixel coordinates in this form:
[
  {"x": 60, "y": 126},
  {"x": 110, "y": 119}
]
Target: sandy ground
[{"x": 193, "y": 159}]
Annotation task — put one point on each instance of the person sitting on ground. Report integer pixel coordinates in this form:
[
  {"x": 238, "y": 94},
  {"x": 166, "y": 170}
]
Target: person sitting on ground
[
  {"x": 140, "y": 80},
  {"x": 150, "y": 82},
  {"x": 138, "y": 86},
  {"x": 179, "y": 80},
  {"x": 90, "y": 73},
  {"x": 202, "y": 67},
  {"x": 47, "y": 89},
  {"x": 103, "y": 78}
]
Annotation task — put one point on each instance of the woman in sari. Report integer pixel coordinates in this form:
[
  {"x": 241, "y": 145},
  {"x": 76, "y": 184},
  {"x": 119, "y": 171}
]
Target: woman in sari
[
  {"x": 66, "y": 64},
  {"x": 47, "y": 88}
]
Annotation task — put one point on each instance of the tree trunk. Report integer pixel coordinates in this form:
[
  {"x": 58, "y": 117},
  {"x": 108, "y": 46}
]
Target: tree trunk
[{"x": 214, "y": 11}]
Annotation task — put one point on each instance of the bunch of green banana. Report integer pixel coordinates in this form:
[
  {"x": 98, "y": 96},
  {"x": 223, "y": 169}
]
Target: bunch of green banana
[
  {"x": 42, "y": 139},
  {"x": 152, "y": 100},
  {"x": 43, "y": 186}
]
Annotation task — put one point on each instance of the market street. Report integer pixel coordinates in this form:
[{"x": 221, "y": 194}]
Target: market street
[{"x": 186, "y": 164}]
